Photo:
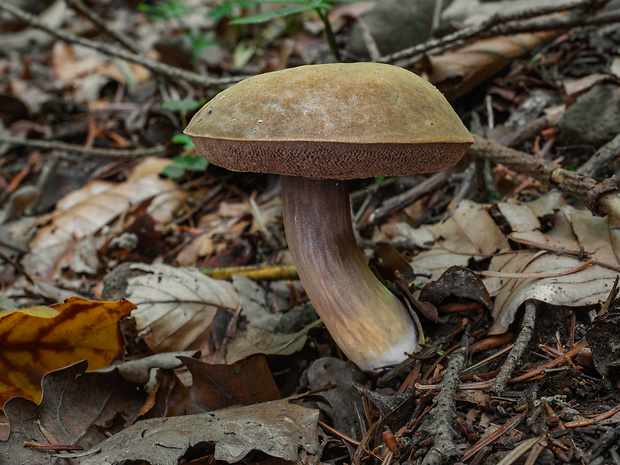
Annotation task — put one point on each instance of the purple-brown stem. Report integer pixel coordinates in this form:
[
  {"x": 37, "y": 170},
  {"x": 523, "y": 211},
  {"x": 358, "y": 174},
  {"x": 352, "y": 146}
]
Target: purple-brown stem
[{"x": 369, "y": 323}]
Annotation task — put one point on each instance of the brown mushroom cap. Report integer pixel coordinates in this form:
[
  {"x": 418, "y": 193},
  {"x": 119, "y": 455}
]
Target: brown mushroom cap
[{"x": 341, "y": 121}]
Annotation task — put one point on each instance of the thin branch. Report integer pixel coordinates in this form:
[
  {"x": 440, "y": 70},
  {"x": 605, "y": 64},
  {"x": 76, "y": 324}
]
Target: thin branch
[
  {"x": 444, "y": 412},
  {"x": 102, "y": 25},
  {"x": 99, "y": 152},
  {"x": 600, "y": 198},
  {"x": 599, "y": 162},
  {"x": 400, "y": 201},
  {"x": 485, "y": 28},
  {"x": 523, "y": 339},
  {"x": 115, "y": 51}
]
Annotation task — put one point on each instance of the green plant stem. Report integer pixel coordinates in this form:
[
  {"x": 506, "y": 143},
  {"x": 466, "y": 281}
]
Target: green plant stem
[{"x": 329, "y": 33}]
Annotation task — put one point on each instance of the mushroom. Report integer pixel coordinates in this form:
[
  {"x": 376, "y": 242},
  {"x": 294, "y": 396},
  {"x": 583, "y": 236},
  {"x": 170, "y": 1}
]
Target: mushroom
[{"x": 317, "y": 126}]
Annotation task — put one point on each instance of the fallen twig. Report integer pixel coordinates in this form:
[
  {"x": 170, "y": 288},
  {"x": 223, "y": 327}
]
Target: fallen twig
[
  {"x": 456, "y": 38},
  {"x": 523, "y": 339},
  {"x": 604, "y": 442},
  {"x": 596, "y": 419},
  {"x": 530, "y": 374},
  {"x": 600, "y": 198},
  {"x": 394, "y": 204},
  {"x": 102, "y": 25},
  {"x": 444, "y": 412},
  {"x": 599, "y": 162},
  {"x": 99, "y": 152},
  {"x": 494, "y": 436},
  {"x": 115, "y": 51}
]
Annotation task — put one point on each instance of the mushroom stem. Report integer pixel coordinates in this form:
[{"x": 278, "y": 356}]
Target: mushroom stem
[{"x": 369, "y": 323}]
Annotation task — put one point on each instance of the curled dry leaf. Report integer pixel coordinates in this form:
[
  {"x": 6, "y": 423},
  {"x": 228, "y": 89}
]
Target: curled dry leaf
[
  {"x": 575, "y": 236},
  {"x": 140, "y": 370},
  {"x": 457, "y": 282},
  {"x": 260, "y": 335},
  {"x": 38, "y": 340},
  {"x": 176, "y": 306},
  {"x": 279, "y": 429},
  {"x": 456, "y": 73}
]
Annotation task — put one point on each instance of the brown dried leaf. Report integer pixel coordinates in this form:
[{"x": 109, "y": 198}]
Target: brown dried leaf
[
  {"x": 218, "y": 386},
  {"x": 69, "y": 68},
  {"x": 456, "y": 73},
  {"x": 77, "y": 408},
  {"x": 457, "y": 282}
]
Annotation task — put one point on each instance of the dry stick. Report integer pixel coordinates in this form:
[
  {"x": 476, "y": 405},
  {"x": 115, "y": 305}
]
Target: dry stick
[
  {"x": 598, "y": 163},
  {"x": 604, "y": 442},
  {"x": 523, "y": 339},
  {"x": 601, "y": 198},
  {"x": 471, "y": 31},
  {"x": 545, "y": 24},
  {"x": 444, "y": 412},
  {"x": 527, "y": 132},
  {"x": 17, "y": 266},
  {"x": 369, "y": 41},
  {"x": 394, "y": 204},
  {"x": 99, "y": 152},
  {"x": 115, "y": 51},
  {"x": 554, "y": 23},
  {"x": 102, "y": 25}
]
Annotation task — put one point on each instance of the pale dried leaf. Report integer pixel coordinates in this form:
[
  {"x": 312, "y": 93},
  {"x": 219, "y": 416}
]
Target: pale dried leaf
[
  {"x": 468, "y": 232},
  {"x": 260, "y": 335},
  {"x": 93, "y": 212},
  {"x": 60, "y": 243},
  {"x": 278, "y": 428},
  {"x": 261, "y": 341},
  {"x": 574, "y": 236},
  {"x": 586, "y": 287},
  {"x": 574, "y": 232},
  {"x": 176, "y": 305}
]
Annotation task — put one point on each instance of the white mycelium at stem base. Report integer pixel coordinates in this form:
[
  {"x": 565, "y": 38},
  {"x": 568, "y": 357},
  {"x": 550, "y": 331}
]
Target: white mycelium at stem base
[{"x": 369, "y": 323}]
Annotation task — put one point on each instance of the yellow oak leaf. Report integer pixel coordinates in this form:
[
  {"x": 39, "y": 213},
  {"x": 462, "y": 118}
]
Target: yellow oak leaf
[{"x": 37, "y": 340}]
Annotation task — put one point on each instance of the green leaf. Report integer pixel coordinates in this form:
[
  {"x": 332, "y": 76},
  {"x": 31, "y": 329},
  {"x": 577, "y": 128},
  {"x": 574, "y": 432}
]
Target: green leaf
[
  {"x": 173, "y": 171},
  {"x": 200, "y": 40},
  {"x": 280, "y": 12},
  {"x": 187, "y": 104},
  {"x": 227, "y": 8},
  {"x": 184, "y": 139},
  {"x": 190, "y": 162},
  {"x": 166, "y": 10}
]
